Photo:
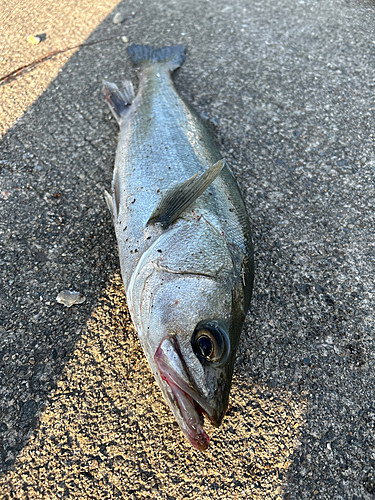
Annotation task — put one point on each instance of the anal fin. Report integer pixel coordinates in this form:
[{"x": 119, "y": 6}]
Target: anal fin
[{"x": 179, "y": 198}]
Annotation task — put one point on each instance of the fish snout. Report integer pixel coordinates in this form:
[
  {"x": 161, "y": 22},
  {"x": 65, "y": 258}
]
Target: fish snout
[{"x": 186, "y": 396}]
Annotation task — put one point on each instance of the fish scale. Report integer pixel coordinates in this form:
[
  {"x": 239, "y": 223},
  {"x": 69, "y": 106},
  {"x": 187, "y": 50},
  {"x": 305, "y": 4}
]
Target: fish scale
[{"x": 184, "y": 242}]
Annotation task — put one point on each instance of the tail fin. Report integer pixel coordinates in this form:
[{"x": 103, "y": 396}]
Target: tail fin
[{"x": 172, "y": 56}]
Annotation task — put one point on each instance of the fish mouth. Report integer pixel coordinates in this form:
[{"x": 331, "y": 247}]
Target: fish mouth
[{"x": 187, "y": 404}]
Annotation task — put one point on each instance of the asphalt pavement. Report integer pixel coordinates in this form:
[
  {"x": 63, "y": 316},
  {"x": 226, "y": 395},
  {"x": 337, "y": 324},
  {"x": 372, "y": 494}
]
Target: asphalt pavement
[{"x": 287, "y": 90}]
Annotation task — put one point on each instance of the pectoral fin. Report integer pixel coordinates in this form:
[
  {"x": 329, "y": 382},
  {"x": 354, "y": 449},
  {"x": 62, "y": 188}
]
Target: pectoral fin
[{"x": 179, "y": 198}]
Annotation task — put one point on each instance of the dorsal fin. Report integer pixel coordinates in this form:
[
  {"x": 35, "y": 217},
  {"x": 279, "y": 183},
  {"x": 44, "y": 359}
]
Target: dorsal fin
[
  {"x": 180, "y": 197},
  {"x": 118, "y": 100},
  {"x": 113, "y": 201}
]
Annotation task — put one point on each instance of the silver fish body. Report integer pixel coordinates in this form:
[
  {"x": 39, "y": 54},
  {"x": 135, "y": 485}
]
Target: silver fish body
[{"x": 188, "y": 281}]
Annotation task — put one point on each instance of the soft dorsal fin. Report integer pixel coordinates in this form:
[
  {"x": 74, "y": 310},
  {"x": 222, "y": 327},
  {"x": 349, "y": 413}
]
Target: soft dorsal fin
[
  {"x": 180, "y": 197},
  {"x": 118, "y": 100}
]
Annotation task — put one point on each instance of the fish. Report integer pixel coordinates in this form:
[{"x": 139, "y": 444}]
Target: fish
[{"x": 184, "y": 241}]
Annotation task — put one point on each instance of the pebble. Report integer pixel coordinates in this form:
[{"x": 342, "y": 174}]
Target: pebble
[
  {"x": 125, "y": 39},
  {"x": 3, "y": 427},
  {"x": 69, "y": 298},
  {"x": 33, "y": 40},
  {"x": 267, "y": 363},
  {"x": 29, "y": 409},
  {"x": 118, "y": 18},
  {"x": 215, "y": 120}
]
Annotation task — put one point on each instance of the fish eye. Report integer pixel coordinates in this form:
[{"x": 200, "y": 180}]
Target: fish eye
[
  {"x": 210, "y": 343},
  {"x": 205, "y": 344}
]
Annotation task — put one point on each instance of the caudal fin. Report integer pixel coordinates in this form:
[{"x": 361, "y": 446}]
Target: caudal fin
[{"x": 172, "y": 56}]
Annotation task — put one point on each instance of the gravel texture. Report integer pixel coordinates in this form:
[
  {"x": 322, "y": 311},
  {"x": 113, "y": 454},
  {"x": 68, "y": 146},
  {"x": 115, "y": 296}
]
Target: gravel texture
[
  {"x": 287, "y": 91},
  {"x": 58, "y": 25}
]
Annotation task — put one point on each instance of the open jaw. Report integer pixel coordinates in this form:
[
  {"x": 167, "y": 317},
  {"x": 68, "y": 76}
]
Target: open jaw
[{"x": 187, "y": 403}]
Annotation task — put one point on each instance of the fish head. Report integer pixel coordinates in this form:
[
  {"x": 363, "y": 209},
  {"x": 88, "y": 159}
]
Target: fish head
[{"x": 189, "y": 330}]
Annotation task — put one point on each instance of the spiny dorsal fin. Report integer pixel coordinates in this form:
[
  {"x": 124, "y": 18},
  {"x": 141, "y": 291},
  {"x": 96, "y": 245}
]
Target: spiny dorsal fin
[
  {"x": 113, "y": 201},
  {"x": 179, "y": 198},
  {"x": 118, "y": 100},
  {"x": 109, "y": 201}
]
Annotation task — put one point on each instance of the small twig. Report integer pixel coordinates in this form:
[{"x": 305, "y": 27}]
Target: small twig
[{"x": 19, "y": 71}]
